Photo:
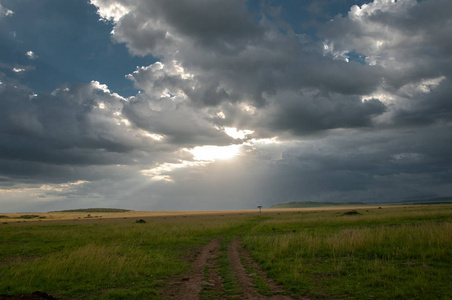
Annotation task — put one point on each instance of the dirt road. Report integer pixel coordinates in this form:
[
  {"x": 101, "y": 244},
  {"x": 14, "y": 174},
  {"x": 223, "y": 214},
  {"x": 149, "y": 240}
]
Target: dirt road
[{"x": 206, "y": 280}]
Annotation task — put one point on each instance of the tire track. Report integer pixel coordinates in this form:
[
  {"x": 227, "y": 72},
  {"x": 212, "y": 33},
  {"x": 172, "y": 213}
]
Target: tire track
[
  {"x": 190, "y": 286},
  {"x": 204, "y": 281},
  {"x": 235, "y": 252}
]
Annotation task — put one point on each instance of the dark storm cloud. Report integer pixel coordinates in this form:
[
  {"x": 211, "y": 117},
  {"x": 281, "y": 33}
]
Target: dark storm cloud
[
  {"x": 67, "y": 128},
  {"x": 429, "y": 19},
  {"x": 67, "y": 118},
  {"x": 312, "y": 112},
  {"x": 223, "y": 25},
  {"x": 369, "y": 166},
  {"x": 329, "y": 75},
  {"x": 156, "y": 26},
  {"x": 18, "y": 173},
  {"x": 426, "y": 108},
  {"x": 257, "y": 73}
]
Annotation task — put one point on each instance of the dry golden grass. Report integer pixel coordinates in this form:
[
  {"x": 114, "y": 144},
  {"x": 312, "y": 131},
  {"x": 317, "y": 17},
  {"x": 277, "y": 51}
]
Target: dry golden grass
[{"x": 53, "y": 216}]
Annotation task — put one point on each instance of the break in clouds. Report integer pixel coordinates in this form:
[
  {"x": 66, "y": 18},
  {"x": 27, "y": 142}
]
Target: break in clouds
[{"x": 240, "y": 107}]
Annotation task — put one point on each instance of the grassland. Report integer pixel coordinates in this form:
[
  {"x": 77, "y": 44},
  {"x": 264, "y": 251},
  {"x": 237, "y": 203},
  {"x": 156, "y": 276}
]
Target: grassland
[
  {"x": 391, "y": 253},
  {"x": 96, "y": 210},
  {"x": 400, "y": 253}
]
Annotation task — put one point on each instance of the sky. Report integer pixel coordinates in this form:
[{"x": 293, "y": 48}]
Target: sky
[{"x": 213, "y": 104}]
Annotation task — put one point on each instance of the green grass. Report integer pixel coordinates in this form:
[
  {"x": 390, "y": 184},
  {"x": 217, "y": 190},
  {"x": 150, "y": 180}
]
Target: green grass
[
  {"x": 389, "y": 253},
  {"x": 101, "y": 259},
  {"x": 231, "y": 283},
  {"x": 397, "y": 253},
  {"x": 260, "y": 283}
]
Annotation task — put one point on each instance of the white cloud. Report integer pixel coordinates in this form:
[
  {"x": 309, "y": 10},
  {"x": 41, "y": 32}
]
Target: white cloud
[
  {"x": 378, "y": 6},
  {"x": 31, "y": 55},
  {"x": 100, "y": 86},
  {"x": 161, "y": 79},
  {"x": 237, "y": 134},
  {"x": 110, "y": 10},
  {"x": 4, "y": 12}
]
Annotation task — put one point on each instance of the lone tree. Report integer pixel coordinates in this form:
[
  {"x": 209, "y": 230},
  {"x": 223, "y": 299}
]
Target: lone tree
[{"x": 260, "y": 207}]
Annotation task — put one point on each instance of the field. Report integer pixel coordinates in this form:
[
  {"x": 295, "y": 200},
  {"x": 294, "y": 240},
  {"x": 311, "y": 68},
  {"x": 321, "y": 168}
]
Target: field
[{"x": 402, "y": 252}]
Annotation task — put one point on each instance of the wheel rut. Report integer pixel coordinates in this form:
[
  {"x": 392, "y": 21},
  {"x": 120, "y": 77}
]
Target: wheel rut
[
  {"x": 188, "y": 287},
  {"x": 237, "y": 254},
  {"x": 205, "y": 282}
]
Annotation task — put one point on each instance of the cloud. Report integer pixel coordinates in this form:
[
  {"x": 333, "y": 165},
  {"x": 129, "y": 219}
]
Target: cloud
[
  {"x": 407, "y": 42},
  {"x": 428, "y": 104},
  {"x": 81, "y": 125},
  {"x": 364, "y": 165},
  {"x": 309, "y": 111},
  {"x": 110, "y": 10},
  {"x": 411, "y": 49},
  {"x": 4, "y": 12},
  {"x": 250, "y": 66},
  {"x": 31, "y": 55},
  {"x": 160, "y": 27},
  {"x": 179, "y": 124}
]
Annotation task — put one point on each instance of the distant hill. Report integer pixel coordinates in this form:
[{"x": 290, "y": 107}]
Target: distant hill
[
  {"x": 95, "y": 210},
  {"x": 425, "y": 201},
  {"x": 436, "y": 200},
  {"x": 301, "y": 204}
]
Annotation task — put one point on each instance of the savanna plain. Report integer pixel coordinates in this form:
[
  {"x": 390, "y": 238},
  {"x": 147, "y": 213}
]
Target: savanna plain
[{"x": 391, "y": 252}]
